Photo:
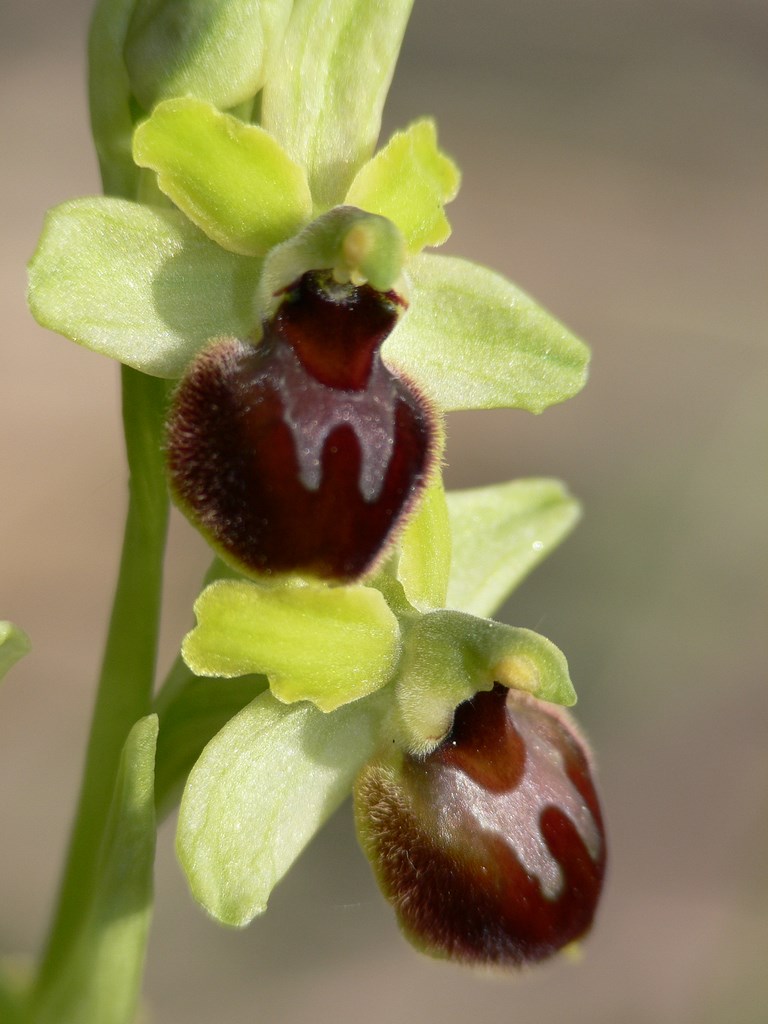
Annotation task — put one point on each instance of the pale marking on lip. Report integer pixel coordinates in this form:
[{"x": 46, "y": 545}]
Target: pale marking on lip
[
  {"x": 313, "y": 410},
  {"x": 544, "y": 784}
]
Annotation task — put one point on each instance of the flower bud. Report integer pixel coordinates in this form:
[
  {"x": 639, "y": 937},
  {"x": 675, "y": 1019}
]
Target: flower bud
[
  {"x": 302, "y": 453},
  {"x": 491, "y": 848}
]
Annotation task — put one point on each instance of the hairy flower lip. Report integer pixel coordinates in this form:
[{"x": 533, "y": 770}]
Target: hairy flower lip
[
  {"x": 303, "y": 453},
  {"x": 491, "y": 848}
]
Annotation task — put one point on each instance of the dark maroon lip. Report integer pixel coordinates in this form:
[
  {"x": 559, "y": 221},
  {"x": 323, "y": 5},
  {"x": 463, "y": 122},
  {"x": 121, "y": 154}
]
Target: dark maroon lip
[
  {"x": 492, "y": 847},
  {"x": 302, "y": 453}
]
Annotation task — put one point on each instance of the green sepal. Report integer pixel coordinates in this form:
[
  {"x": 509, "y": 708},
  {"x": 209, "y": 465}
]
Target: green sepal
[
  {"x": 101, "y": 980},
  {"x": 475, "y": 341},
  {"x": 323, "y": 99},
  {"x": 138, "y": 284},
  {"x": 424, "y": 560},
  {"x": 356, "y": 246},
  {"x": 500, "y": 533},
  {"x": 109, "y": 96},
  {"x": 260, "y": 791},
  {"x": 14, "y": 644},
  {"x": 233, "y": 180},
  {"x": 218, "y": 50},
  {"x": 197, "y": 711},
  {"x": 449, "y": 656},
  {"x": 409, "y": 180},
  {"x": 328, "y": 645}
]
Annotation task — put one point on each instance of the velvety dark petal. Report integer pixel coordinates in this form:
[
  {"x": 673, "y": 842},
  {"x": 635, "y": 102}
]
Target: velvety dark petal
[
  {"x": 301, "y": 453},
  {"x": 491, "y": 848}
]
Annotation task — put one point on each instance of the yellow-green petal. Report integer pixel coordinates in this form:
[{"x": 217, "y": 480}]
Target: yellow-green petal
[
  {"x": 328, "y": 645},
  {"x": 410, "y": 180},
  {"x": 233, "y": 180}
]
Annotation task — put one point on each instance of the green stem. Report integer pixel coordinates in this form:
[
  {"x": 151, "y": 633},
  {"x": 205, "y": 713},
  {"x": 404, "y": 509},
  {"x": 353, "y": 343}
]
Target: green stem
[{"x": 125, "y": 687}]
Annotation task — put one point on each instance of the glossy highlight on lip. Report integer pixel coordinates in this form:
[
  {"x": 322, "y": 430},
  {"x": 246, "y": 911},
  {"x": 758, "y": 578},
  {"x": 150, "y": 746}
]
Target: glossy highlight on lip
[
  {"x": 491, "y": 848},
  {"x": 303, "y": 452}
]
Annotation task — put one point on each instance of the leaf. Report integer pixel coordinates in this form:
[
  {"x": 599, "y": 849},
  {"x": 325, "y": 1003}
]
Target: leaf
[
  {"x": 409, "y": 181},
  {"x": 425, "y": 551},
  {"x": 217, "y": 50},
  {"x": 449, "y": 656},
  {"x": 233, "y": 180},
  {"x": 260, "y": 791},
  {"x": 14, "y": 644},
  {"x": 500, "y": 533},
  {"x": 329, "y": 645},
  {"x": 101, "y": 980},
  {"x": 324, "y": 98},
  {"x": 475, "y": 341},
  {"x": 138, "y": 284}
]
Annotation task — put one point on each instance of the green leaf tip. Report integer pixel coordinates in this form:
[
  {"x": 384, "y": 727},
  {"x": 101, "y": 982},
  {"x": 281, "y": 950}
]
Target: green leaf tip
[
  {"x": 14, "y": 644},
  {"x": 233, "y": 180},
  {"x": 328, "y": 645},
  {"x": 410, "y": 180}
]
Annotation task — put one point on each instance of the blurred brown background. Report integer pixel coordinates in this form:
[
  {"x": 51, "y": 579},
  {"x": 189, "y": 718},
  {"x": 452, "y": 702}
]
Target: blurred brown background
[{"x": 614, "y": 157}]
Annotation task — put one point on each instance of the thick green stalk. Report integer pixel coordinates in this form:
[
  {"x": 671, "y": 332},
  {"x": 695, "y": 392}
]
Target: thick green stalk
[{"x": 127, "y": 677}]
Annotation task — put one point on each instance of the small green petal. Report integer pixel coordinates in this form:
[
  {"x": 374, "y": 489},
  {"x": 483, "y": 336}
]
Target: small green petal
[
  {"x": 101, "y": 980},
  {"x": 233, "y": 180},
  {"x": 323, "y": 99},
  {"x": 449, "y": 656},
  {"x": 138, "y": 284},
  {"x": 500, "y": 534},
  {"x": 14, "y": 644},
  {"x": 260, "y": 791},
  {"x": 409, "y": 181},
  {"x": 473, "y": 340},
  {"x": 329, "y": 645},
  {"x": 355, "y": 245},
  {"x": 425, "y": 551},
  {"x": 218, "y": 50}
]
